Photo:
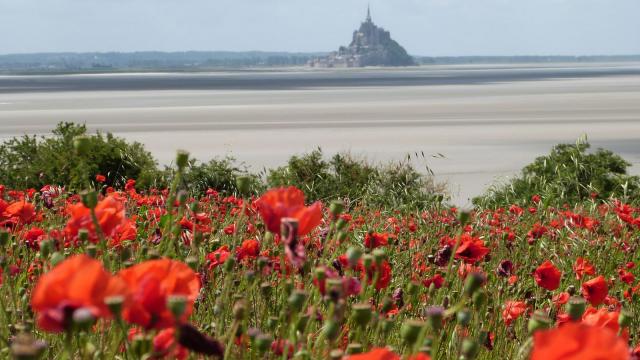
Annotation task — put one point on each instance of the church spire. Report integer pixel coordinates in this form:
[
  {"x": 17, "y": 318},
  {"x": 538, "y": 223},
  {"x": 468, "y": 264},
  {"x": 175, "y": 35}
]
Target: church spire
[{"x": 368, "y": 12}]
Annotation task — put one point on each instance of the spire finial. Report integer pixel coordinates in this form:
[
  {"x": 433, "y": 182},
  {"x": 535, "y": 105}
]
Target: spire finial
[{"x": 368, "y": 12}]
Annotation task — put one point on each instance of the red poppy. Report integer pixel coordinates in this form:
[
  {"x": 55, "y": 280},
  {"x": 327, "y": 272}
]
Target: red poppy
[
  {"x": 78, "y": 282},
  {"x": 513, "y": 310},
  {"x": 471, "y": 249},
  {"x": 165, "y": 345},
  {"x": 575, "y": 341},
  {"x": 218, "y": 257},
  {"x": 383, "y": 272},
  {"x": 20, "y": 211},
  {"x": 151, "y": 283},
  {"x": 249, "y": 249},
  {"x": 109, "y": 212},
  {"x": 373, "y": 240},
  {"x": 582, "y": 267},
  {"x": 595, "y": 290},
  {"x": 547, "y": 276},
  {"x": 288, "y": 202},
  {"x": 603, "y": 318},
  {"x": 376, "y": 354},
  {"x": 100, "y": 178}
]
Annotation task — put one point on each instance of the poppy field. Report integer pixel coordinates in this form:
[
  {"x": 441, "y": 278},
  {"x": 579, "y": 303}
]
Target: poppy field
[{"x": 119, "y": 273}]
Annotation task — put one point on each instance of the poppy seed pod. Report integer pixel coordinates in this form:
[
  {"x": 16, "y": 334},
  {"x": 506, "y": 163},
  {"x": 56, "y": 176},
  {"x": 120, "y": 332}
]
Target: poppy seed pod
[
  {"x": 539, "y": 321},
  {"x": 362, "y": 314},
  {"x": 192, "y": 261},
  {"x": 239, "y": 310},
  {"x": 90, "y": 199},
  {"x": 354, "y": 348},
  {"x": 463, "y": 317},
  {"x": 25, "y": 347},
  {"x": 297, "y": 300},
  {"x": 353, "y": 255},
  {"x": 336, "y": 354},
  {"x": 83, "y": 318},
  {"x": 624, "y": 319},
  {"x": 463, "y": 217},
  {"x": 177, "y": 304},
  {"x": 473, "y": 283},
  {"x": 469, "y": 348},
  {"x": 336, "y": 207},
  {"x": 331, "y": 330},
  {"x": 379, "y": 255},
  {"x": 243, "y": 184},
  {"x": 114, "y": 303},
  {"x": 263, "y": 342},
  {"x": 182, "y": 159},
  {"x": 410, "y": 331},
  {"x": 435, "y": 315},
  {"x": 576, "y": 307}
]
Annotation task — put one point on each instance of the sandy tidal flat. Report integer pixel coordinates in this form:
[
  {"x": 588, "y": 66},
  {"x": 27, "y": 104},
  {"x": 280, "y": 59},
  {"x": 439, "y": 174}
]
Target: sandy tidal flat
[{"x": 486, "y": 128}]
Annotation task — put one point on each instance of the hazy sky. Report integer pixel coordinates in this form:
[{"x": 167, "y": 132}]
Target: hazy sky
[{"x": 424, "y": 27}]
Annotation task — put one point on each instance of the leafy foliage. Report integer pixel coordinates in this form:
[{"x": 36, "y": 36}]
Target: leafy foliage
[
  {"x": 568, "y": 174},
  {"x": 32, "y": 161},
  {"x": 349, "y": 178}
]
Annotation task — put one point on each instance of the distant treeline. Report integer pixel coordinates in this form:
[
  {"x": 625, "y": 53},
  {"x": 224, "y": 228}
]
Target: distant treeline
[
  {"x": 204, "y": 60},
  {"x": 443, "y": 60}
]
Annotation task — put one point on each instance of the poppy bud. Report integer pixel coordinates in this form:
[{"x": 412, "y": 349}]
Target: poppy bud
[
  {"x": 83, "y": 235},
  {"x": 56, "y": 258},
  {"x": 92, "y": 251},
  {"x": 353, "y": 255},
  {"x": 379, "y": 255},
  {"x": 336, "y": 207},
  {"x": 340, "y": 224},
  {"x": 229, "y": 264},
  {"x": 25, "y": 347},
  {"x": 473, "y": 283},
  {"x": 114, "y": 303},
  {"x": 463, "y": 217},
  {"x": 336, "y": 354},
  {"x": 81, "y": 144},
  {"x": 576, "y": 307},
  {"x": 263, "y": 342},
  {"x": 624, "y": 319},
  {"x": 464, "y": 317},
  {"x": 321, "y": 273},
  {"x": 4, "y": 238},
  {"x": 83, "y": 318},
  {"x": 435, "y": 315},
  {"x": 367, "y": 261},
  {"x": 354, "y": 348},
  {"x": 265, "y": 289},
  {"x": 410, "y": 331},
  {"x": 192, "y": 261},
  {"x": 331, "y": 330},
  {"x": 268, "y": 237},
  {"x": 297, "y": 300},
  {"x": 90, "y": 199},
  {"x": 46, "y": 246},
  {"x": 182, "y": 159},
  {"x": 539, "y": 321},
  {"x": 479, "y": 299},
  {"x": 362, "y": 314},
  {"x": 387, "y": 325},
  {"x": 239, "y": 310},
  {"x": 177, "y": 304},
  {"x": 469, "y": 348}
]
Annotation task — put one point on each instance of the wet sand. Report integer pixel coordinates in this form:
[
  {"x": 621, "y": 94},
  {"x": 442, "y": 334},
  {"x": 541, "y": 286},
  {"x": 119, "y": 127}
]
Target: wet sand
[{"x": 488, "y": 122}]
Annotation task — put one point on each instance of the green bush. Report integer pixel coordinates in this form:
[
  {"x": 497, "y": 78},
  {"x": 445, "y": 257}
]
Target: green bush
[
  {"x": 567, "y": 175},
  {"x": 356, "y": 180},
  {"x": 217, "y": 174},
  {"x": 32, "y": 161}
]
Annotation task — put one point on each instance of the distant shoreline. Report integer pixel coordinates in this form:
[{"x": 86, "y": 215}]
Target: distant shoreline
[{"x": 221, "y": 61}]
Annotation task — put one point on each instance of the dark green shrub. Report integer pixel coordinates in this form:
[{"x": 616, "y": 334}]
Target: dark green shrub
[
  {"x": 567, "y": 175},
  {"x": 32, "y": 161},
  {"x": 346, "y": 177},
  {"x": 217, "y": 174}
]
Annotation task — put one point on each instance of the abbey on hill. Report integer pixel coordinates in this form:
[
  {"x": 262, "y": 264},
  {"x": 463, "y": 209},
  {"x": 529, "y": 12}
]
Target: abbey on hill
[{"x": 371, "y": 46}]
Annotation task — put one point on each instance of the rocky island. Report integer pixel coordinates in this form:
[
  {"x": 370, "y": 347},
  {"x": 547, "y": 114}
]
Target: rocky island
[{"x": 371, "y": 46}]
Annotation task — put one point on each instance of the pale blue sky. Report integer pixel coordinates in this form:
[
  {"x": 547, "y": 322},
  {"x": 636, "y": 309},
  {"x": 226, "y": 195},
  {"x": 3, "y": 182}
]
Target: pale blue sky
[{"x": 424, "y": 27}]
